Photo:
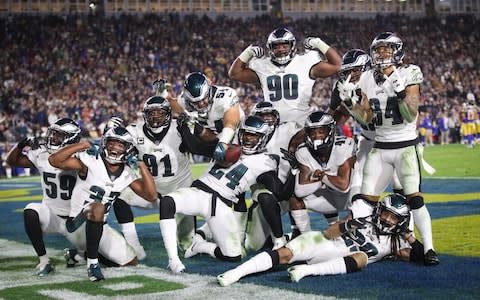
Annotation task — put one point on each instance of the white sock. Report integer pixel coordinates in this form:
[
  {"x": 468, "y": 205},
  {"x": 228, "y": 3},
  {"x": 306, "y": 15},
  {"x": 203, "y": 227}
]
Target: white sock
[
  {"x": 421, "y": 218},
  {"x": 259, "y": 263},
  {"x": 130, "y": 233},
  {"x": 329, "y": 267},
  {"x": 206, "y": 247},
  {"x": 44, "y": 259},
  {"x": 241, "y": 218},
  {"x": 302, "y": 220},
  {"x": 168, "y": 228},
  {"x": 91, "y": 261}
]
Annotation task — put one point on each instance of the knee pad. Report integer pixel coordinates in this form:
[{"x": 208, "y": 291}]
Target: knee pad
[
  {"x": 416, "y": 202},
  {"x": 167, "y": 208},
  {"x": 218, "y": 254}
]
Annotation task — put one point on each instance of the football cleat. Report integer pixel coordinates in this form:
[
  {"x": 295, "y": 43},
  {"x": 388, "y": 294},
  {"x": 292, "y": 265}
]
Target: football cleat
[
  {"x": 95, "y": 273},
  {"x": 176, "y": 266},
  {"x": 192, "y": 251},
  {"x": 297, "y": 272},
  {"x": 431, "y": 258},
  {"x": 227, "y": 278},
  {"x": 72, "y": 258},
  {"x": 44, "y": 270}
]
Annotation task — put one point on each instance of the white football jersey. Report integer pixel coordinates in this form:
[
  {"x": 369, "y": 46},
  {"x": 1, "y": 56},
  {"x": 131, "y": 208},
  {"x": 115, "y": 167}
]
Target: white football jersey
[
  {"x": 99, "y": 185},
  {"x": 343, "y": 149},
  {"x": 223, "y": 98},
  {"x": 168, "y": 166},
  {"x": 57, "y": 184},
  {"x": 367, "y": 240},
  {"x": 389, "y": 124},
  {"x": 287, "y": 87},
  {"x": 236, "y": 179},
  {"x": 280, "y": 139}
]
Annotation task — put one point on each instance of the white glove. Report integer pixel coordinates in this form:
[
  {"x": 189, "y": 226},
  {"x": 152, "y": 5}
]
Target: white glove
[
  {"x": 396, "y": 83},
  {"x": 347, "y": 92},
  {"x": 251, "y": 51},
  {"x": 312, "y": 43}
]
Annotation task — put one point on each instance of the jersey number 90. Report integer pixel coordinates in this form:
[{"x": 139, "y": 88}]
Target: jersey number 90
[{"x": 283, "y": 87}]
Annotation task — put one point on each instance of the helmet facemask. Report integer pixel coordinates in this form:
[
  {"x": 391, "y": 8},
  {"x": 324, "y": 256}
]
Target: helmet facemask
[
  {"x": 156, "y": 114},
  {"x": 253, "y": 135},
  {"x": 386, "y": 50},
  {"x": 391, "y": 214},
  {"x": 319, "y": 132},
  {"x": 116, "y": 146},
  {"x": 63, "y": 132},
  {"x": 281, "y": 45},
  {"x": 266, "y": 112}
]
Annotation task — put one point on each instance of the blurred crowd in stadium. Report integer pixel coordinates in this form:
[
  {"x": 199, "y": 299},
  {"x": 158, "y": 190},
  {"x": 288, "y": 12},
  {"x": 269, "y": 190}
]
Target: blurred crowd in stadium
[{"x": 91, "y": 68}]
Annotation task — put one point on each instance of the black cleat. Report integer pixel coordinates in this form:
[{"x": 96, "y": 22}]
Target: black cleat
[{"x": 431, "y": 258}]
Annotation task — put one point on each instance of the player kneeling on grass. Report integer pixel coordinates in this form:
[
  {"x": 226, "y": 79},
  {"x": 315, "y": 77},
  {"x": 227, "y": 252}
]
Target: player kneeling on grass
[
  {"x": 214, "y": 194},
  {"x": 345, "y": 247},
  {"x": 102, "y": 175},
  {"x": 49, "y": 216}
]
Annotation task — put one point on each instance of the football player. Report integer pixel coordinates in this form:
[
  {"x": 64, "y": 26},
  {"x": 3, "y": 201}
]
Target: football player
[
  {"x": 158, "y": 143},
  {"x": 102, "y": 175},
  {"x": 345, "y": 247},
  {"x": 50, "y": 215},
  {"x": 286, "y": 78},
  {"x": 266, "y": 211},
  {"x": 325, "y": 164},
  {"x": 391, "y": 94},
  {"x": 215, "y": 192}
]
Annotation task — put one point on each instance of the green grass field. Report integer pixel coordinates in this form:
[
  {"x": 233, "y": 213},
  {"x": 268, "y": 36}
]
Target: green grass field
[{"x": 456, "y": 235}]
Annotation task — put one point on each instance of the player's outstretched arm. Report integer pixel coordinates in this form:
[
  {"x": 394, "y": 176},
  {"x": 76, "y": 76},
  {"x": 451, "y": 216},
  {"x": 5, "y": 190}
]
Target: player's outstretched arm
[{"x": 64, "y": 159}]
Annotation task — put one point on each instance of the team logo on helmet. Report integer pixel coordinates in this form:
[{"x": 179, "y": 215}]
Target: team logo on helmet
[{"x": 63, "y": 132}]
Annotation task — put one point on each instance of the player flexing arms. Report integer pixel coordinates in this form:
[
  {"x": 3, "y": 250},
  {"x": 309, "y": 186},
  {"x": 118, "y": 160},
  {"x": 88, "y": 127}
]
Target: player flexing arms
[
  {"x": 391, "y": 94},
  {"x": 101, "y": 178},
  {"x": 345, "y": 247},
  {"x": 50, "y": 215},
  {"x": 286, "y": 78}
]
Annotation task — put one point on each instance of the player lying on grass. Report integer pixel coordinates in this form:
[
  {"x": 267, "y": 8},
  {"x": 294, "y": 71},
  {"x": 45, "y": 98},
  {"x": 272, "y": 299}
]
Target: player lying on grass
[{"x": 346, "y": 247}]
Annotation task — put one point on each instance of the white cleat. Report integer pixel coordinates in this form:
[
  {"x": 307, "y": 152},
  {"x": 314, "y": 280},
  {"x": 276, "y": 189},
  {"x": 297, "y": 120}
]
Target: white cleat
[
  {"x": 191, "y": 251},
  {"x": 140, "y": 251},
  {"x": 297, "y": 272},
  {"x": 227, "y": 278},
  {"x": 176, "y": 266}
]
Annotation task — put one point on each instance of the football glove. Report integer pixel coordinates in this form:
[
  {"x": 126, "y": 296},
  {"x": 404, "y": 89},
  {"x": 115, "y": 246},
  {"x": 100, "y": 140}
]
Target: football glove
[
  {"x": 93, "y": 150},
  {"x": 219, "y": 153},
  {"x": 183, "y": 119},
  {"x": 315, "y": 43},
  {"x": 132, "y": 159},
  {"x": 251, "y": 51},
  {"x": 32, "y": 142},
  {"x": 347, "y": 92},
  {"x": 395, "y": 84},
  {"x": 290, "y": 157},
  {"x": 352, "y": 225}
]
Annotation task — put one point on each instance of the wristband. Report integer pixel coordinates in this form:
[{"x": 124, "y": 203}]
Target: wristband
[
  {"x": 323, "y": 47},
  {"x": 227, "y": 135},
  {"x": 246, "y": 55}
]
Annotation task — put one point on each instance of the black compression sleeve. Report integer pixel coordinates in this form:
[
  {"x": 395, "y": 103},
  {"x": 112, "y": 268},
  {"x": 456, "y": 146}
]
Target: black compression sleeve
[
  {"x": 196, "y": 145},
  {"x": 273, "y": 184}
]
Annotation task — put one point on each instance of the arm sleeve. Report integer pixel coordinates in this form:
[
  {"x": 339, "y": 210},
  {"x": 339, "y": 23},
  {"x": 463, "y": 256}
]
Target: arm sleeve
[
  {"x": 303, "y": 190},
  {"x": 194, "y": 144},
  {"x": 275, "y": 185}
]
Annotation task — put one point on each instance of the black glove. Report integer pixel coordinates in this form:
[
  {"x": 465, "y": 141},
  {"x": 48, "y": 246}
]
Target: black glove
[
  {"x": 290, "y": 157},
  {"x": 182, "y": 119},
  {"x": 32, "y": 142},
  {"x": 353, "y": 224}
]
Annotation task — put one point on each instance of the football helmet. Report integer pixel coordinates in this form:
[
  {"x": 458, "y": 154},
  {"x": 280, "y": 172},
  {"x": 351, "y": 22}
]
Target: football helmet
[
  {"x": 389, "y": 40},
  {"x": 63, "y": 132},
  {"x": 317, "y": 142},
  {"x": 265, "y": 111},
  {"x": 157, "y": 114},
  {"x": 196, "y": 90},
  {"x": 253, "y": 126},
  {"x": 354, "y": 59},
  {"x": 281, "y": 36},
  {"x": 117, "y": 153},
  {"x": 391, "y": 214}
]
